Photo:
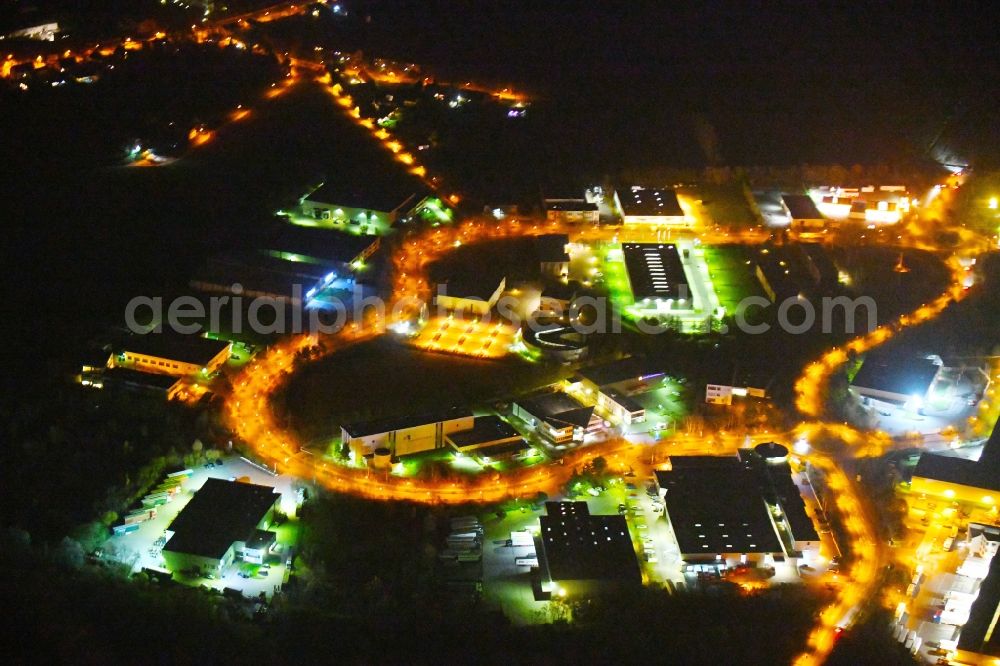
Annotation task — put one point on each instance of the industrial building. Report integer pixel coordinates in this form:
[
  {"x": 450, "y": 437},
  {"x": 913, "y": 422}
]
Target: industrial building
[
  {"x": 583, "y": 555},
  {"x": 490, "y": 439},
  {"x": 405, "y": 435},
  {"x": 795, "y": 269},
  {"x": 875, "y": 204},
  {"x": 571, "y": 211},
  {"x": 897, "y": 380},
  {"x": 166, "y": 386},
  {"x": 610, "y": 386},
  {"x": 472, "y": 295},
  {"x": 979, "y": 640},
  {"x": 802, "y": 212},
  {"x": 642, "y": 205},
  {"x": 553, "y": 259},
  {"x": 557, "y": 298},
  {"x": 171, "y": 353},
  {"x": 716, "y": 510},
  {"x": 655, "y": 272},
  {"x": 259, "y": 276},
  {"x": 556, "y": 416},
  {"x": 224, "y": 521},
  {"x": 772, "y": 209},
  {"x": 343, "y": 252},
  {"x": 770, "y": 461},
  {"x": 735, "y": 381},
  {"x": 960, "y": 479},
  {"x": 338, "y": 203}
]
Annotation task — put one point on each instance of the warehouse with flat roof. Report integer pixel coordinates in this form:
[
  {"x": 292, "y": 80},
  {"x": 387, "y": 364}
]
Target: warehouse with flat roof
[
  {"x": 339, "y": 250},
  {"x": 212, "y": 531},
  {"x": 802, "y": 211},
  {"x": 489, "y": 439},
  {"x": 583, "y": 555},
  {"x": 961, "y": 479},
  {"x": 171, "y": 353},
  {"x": 897, "y": 379},
  {"x": 405, "y": 435},
  {"x": 555, "y": 415},
  {"x": 655, "y": 272},
  {"x": 716, "y": 509},
  {"x": 649, "y": 205}
]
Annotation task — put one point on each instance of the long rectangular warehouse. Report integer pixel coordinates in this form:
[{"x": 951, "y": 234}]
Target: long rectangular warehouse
[{"x": 655, "y": 271}]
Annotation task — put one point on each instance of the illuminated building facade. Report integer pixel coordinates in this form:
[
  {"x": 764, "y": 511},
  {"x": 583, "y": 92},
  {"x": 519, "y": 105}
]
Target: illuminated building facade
[
  {"x": 475, "y": 296},
  {"x": 646, "y": 205},
  {"x": 571, "y": 211},
  {"x": 338, "y": 204},
  {"x": 171, "y": 354},
  {"x": 224, "y": 521},
  {"x": 556, "y": 416},
  {"x": 896, "y": 380},
  {"x": 406, "y": 435}
]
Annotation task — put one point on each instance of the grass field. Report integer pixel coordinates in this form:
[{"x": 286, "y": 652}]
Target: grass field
[
  {"x": 725, "y": 205},
  {"x": 732, "y": 278}
]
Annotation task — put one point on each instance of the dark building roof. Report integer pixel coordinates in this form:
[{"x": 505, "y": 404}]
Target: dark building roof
[
  {"x": 771, "y": 451},
  {"x": 336, "y": 192},
  {"x": 551, "y": 247},
  {"x": 649, "y": 201},
  {"x": 655, "y": 271},
  {"x": 129, "y": 378},
  {"x": 716, "y": 506},
  {"x": 329, "y": 246},
  {"x": 481, "y": 286},
  {"x": 485, "y": 429},
  {"x": 570, "y": 205},
  {"x": 377, "y": 426},
  {"x": 261, "y": 539},
  {"x": 623, "y": 400},
  {"x": 784, "y": 271},
  {"x": 502, "y": 449},
  {"x": 896, "y": 373},
  {"x": 579, "y": 546},
  {"x": 220, "y": 513},
  {"x": 983, "y": 473},
  {"x": 258, "y": 273},
  {"x": 174, "y": 346},
  {"x": 801, "y": 207},
  {"x": 557, "y": 409},
  {"x": 556, "y": 508},
  {"x": 978, "y": 633},
  {"x": 781, "y": 486},
  {"x": 633, "y": 367}
]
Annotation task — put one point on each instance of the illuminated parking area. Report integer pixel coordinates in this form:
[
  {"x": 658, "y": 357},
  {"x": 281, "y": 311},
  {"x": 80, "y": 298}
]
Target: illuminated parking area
[{"x": 468, "y": 337}]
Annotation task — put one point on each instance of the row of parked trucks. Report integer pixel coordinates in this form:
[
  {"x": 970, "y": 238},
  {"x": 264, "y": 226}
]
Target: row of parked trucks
[
  {"x": 465, "y": 540},
  {"x": 164, "y": 492}
]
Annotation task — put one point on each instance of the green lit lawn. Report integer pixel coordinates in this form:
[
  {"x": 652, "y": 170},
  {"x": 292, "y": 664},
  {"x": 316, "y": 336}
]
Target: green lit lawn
[
  {"x": 665, "y": 406},
  {"x": 732, "y": 278}
]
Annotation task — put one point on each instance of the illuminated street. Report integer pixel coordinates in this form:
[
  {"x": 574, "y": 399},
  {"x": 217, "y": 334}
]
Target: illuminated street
[{"x": 659, "y": 335}]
